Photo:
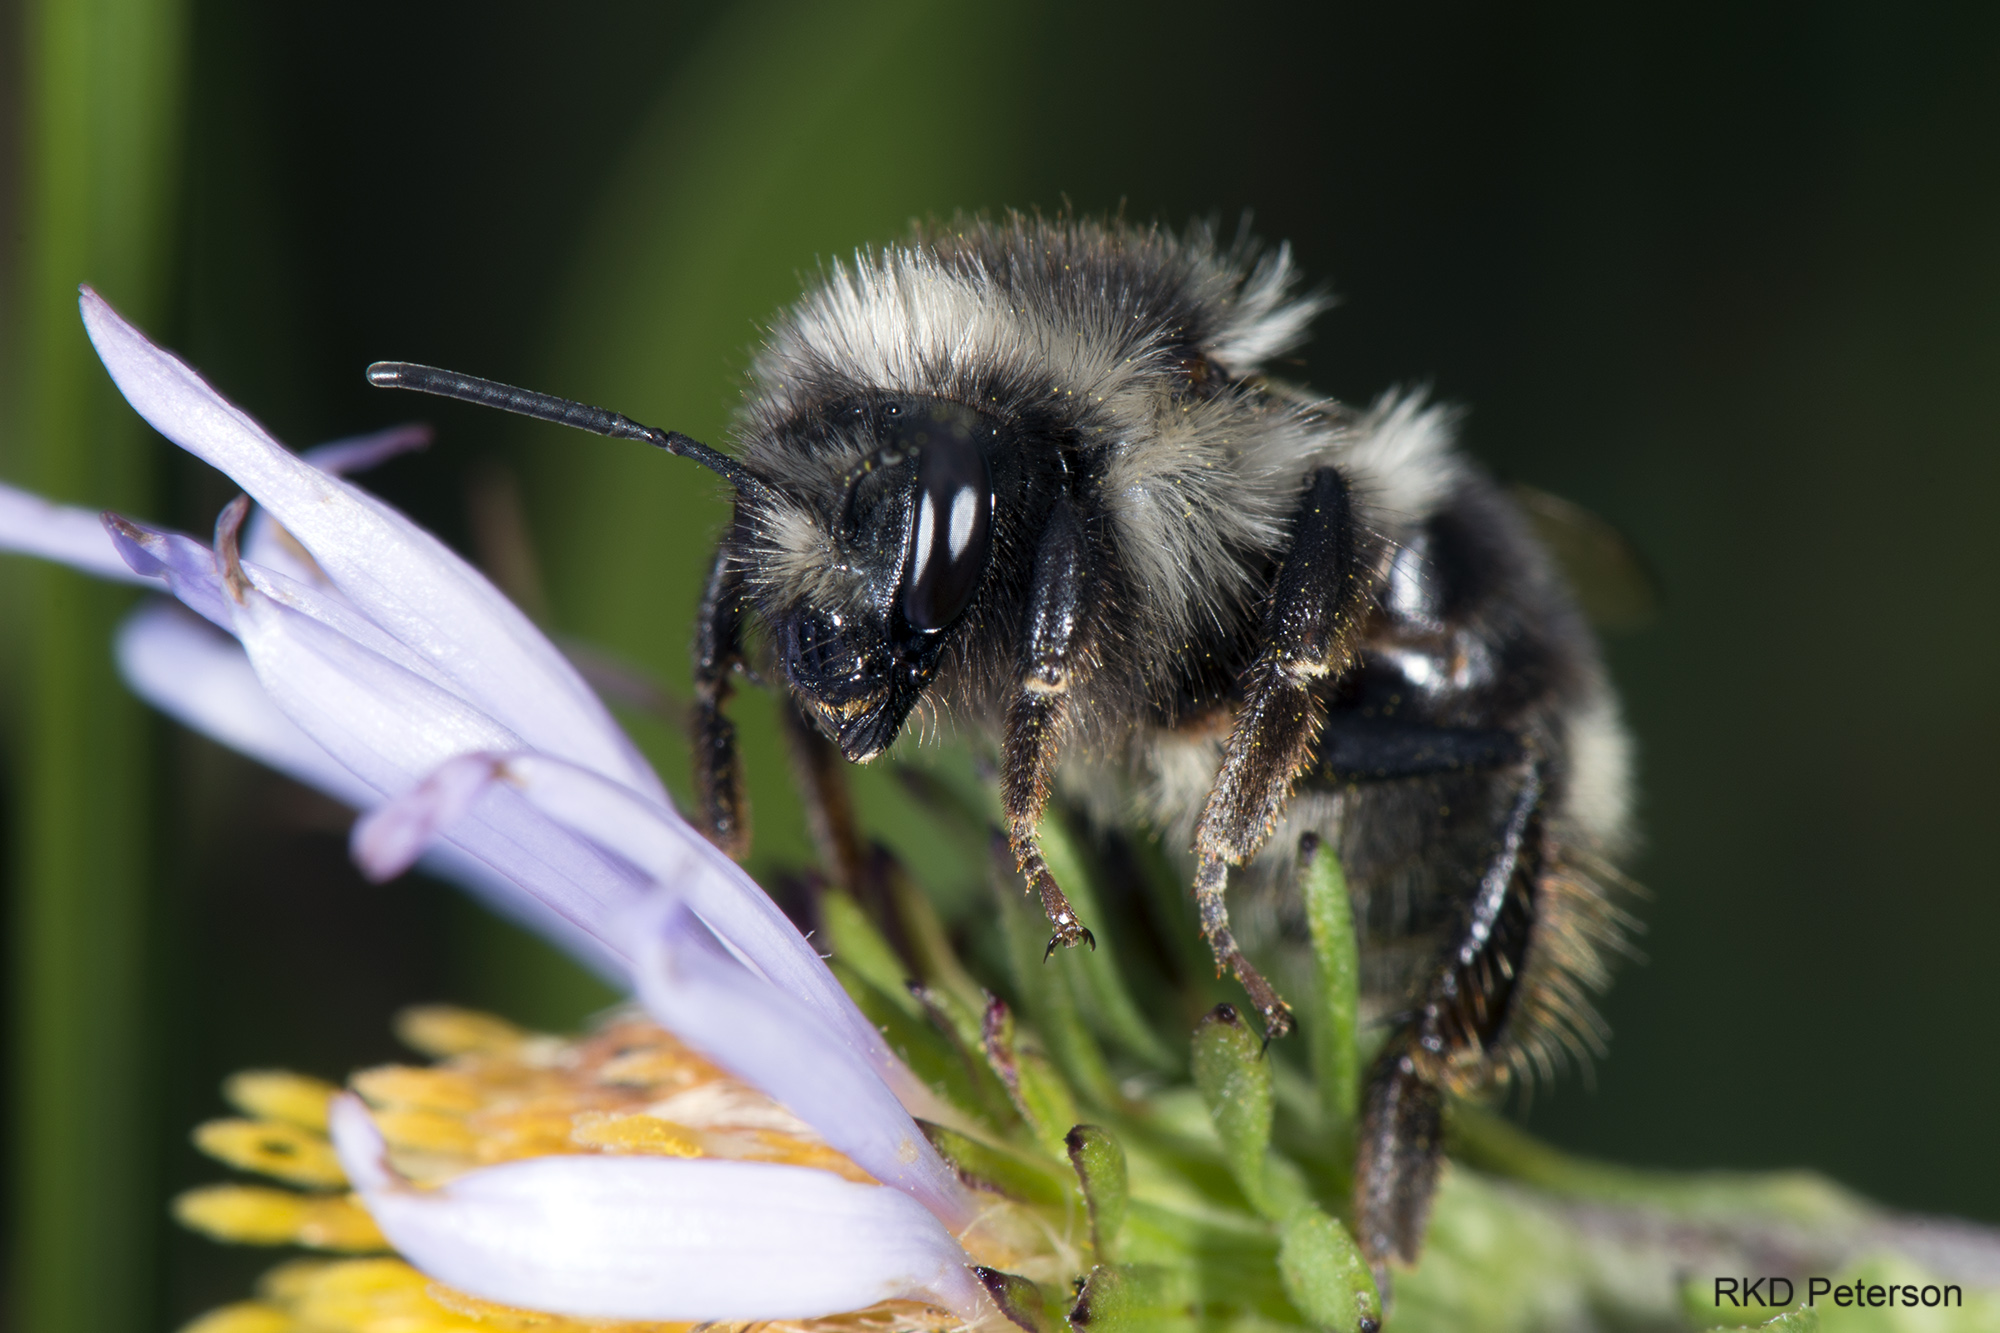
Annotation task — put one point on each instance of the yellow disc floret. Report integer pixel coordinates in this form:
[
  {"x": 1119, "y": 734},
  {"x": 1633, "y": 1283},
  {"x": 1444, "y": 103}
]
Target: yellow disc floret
[{"x": 497, "y": 1094}]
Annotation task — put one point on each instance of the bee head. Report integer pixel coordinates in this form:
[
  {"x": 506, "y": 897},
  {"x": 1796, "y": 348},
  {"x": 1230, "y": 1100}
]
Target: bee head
[
  {"x": 880, "y": 577},
  {"x": 863, "y": 550}
]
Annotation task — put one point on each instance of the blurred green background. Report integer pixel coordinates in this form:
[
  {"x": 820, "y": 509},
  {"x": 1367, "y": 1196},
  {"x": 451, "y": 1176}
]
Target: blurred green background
[{"x": 1727, "y": 274}]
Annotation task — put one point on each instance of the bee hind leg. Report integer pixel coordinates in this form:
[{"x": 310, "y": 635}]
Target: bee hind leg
[
  {"x": 1448, "y": 1042},
  {"x": 1310, "y": 629}
]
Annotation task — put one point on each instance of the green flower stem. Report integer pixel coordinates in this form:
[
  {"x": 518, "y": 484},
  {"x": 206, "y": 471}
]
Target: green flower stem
[
  {"x": 103, "y": 105},
  {"x": 937, "y": 964},
  {"x": 1101, "y": 1170},
  {"x": 1480, "y": 1138},
  {"x": 1228, "y": 1227},
  {"x": 1100, "y": 988},
  {"x": 1330, "y": 1028},
  {"x": 1048, "y": 985},
  {"x": 857, "y": 944},
  {"x": 1325, "y": 1275},
  {"x": 1235, "y": 1082}
]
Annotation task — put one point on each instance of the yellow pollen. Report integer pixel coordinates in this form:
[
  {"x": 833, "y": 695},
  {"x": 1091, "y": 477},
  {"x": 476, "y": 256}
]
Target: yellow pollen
[
  {"x": 442, "y": 1031},
  {"x": 435, "y": 1133},
  {"x": 497, "y": 1094},
  {"x": 446, "y": 1090},
  {"x": 636, "y": 1134},
  {"x": 260, "y": 1215},
  {"x": 277, "y": 1094},
  {"x": 272, "y": 1148},
  {"x": 244, "y": 1317}
]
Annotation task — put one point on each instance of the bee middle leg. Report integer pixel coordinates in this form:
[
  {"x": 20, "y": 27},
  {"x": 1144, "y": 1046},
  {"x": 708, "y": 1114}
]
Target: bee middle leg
[{"x": 1310, "y": 630}]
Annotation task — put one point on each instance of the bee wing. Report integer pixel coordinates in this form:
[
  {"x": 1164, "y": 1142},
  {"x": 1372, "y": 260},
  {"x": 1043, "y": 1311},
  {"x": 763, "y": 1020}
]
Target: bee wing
[{"x": 1614, "y": 583}]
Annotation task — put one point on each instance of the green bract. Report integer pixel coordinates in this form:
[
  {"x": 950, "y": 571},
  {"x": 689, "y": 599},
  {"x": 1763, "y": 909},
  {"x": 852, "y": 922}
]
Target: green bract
[{"x": 1195, "y": 1179}]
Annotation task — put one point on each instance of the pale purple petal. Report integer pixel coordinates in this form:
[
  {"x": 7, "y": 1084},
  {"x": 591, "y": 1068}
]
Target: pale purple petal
[
  {"x": 378, "y": 717},
  {"x": 635, "y": 1237},
  {"x": 188, "y": 568},
  {"x": 268, "y": 544},
  {"x": 193, "y": 573},
  {"x": 727, "y": 900},
  {"x": 202, "y": 678},
  {"x": 390, "y": 726},
  {"x": 31, "y": 525},
  {"x": 778, "y": 1045},
  {"x": 373, "y": 704},
  {"x": 359, "y": 735},
  {"x": 360, "y": 453},
  {"x": 406, "y": 832},
  {"x": 510, "y": 899},
  {"x": 669, "y": 851},
  {"x": 199, "y": 676},
  {"x": 404, "y": 579}
]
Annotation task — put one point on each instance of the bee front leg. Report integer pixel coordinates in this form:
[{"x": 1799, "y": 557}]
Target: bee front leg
[
  {"x": 1448, "y": 1043},
  {"x": 1309, "y": 633},
  {"x": 1054, "y": 654},
  {"x": 720, "y": 804}
]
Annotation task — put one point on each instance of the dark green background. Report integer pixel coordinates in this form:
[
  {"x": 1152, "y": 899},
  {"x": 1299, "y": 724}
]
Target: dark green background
[{"x": 1727, "y": 274}]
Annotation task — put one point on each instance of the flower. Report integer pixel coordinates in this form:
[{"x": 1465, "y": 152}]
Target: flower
[
  {"x": 561, "y": 1184},
  {"x": 373, "y": 663},
  {"x": 627, "y": 1104}
]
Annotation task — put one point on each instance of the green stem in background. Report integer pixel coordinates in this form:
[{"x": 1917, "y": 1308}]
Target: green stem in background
[
  {"x": 1484, "y": 1139},
  {"x": 791, "y": 134},
  {"x": 103, "y": 109}
]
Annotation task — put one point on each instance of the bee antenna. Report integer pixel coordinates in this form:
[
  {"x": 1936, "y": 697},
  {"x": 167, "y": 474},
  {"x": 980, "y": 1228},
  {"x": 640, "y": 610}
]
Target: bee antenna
[{"x": 564, "y": 412}]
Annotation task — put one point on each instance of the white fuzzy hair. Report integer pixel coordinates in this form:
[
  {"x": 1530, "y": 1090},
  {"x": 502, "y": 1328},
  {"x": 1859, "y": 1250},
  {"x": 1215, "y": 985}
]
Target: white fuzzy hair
[
  {"x": 1402, "y": 455},
  {"x": 1598, "y": 803},
  {"x": 1199, "y": 488},
  {"x": 912, "y": 319}
]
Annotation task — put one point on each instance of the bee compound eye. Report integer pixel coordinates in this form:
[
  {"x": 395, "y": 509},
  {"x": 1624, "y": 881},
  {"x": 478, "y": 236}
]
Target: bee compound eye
[{"x": 951, "y": 536}]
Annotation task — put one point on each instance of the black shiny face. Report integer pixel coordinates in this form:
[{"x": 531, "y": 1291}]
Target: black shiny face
[{"x": 916, "y": 522}]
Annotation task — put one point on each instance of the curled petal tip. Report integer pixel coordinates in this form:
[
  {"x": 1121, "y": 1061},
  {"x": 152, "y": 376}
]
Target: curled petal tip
[
  {"x": 385, "y": 843},
  {"x": 388, "y": 841},
  {"x": 362, "y": 452},
  {"x": 120, "y": 526},
  {"x": 140, "y": 547}
]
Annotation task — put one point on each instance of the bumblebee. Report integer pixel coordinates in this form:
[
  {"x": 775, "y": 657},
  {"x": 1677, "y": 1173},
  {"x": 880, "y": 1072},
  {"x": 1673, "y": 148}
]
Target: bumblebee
[{"x": 1031, "y": 476}]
